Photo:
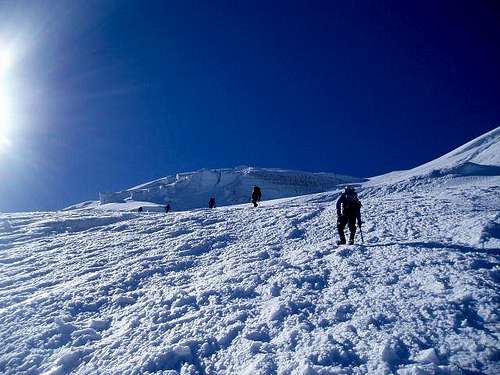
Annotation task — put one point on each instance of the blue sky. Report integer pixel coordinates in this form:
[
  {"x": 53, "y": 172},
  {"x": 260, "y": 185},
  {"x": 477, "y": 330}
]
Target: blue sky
[{"x": 108, "y": 94}]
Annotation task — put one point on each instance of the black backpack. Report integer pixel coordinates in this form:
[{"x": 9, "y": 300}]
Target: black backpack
[
  {"x": 256, "y": 194},
  {"x": 351, "y": 201}
]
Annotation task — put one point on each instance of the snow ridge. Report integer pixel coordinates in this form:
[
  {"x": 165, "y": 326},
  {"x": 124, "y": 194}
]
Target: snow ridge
[{"x": 479, "y": 157}]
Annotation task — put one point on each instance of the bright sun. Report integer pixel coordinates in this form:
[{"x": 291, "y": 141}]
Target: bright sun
[
  {"x": 6, "y": 61},
  {"x": 4, "y": 111},
  {"x": 4, "y": 121}
]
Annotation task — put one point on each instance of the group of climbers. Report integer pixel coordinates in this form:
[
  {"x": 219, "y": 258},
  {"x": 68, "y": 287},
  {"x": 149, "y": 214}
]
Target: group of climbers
[
  {"x": 256, "y": 197},
  {"x": 348, "y": 211}
]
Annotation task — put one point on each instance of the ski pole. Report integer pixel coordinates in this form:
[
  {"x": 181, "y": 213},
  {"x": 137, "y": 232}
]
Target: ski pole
[{"x": 361, "y": 232}]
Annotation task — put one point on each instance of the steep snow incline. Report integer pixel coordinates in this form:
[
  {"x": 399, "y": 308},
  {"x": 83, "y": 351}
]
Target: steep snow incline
[
  {"x": 262, "y": 291},
  {"x": 229, "y": 186},
  {"x": 479, "y": 157}
]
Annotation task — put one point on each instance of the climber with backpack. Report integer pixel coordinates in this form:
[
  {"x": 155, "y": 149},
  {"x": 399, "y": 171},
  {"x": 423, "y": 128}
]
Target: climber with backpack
[
  {"x": 348, "y": 211},
  {"x": 211, "y": 202},
  {"x": 256, "y": 195}
]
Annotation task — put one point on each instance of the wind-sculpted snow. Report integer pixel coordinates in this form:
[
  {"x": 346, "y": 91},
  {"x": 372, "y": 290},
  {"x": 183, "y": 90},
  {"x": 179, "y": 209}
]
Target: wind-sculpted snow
[{"x": 237, "y": 290}]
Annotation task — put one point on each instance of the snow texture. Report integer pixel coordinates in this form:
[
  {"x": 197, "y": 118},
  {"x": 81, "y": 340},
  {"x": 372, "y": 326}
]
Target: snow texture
[{"x": 238, "y": 290}]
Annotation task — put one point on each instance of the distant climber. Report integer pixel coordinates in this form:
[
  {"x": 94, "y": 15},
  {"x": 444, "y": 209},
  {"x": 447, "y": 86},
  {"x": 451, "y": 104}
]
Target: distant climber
[
  {"x": 167, "y": 208},
  {"x": 348, "y": 211},
  {"x": 140, "y": 209},
  {"x": 211, "y": 203},
  {"x": 256, "y": 195}
]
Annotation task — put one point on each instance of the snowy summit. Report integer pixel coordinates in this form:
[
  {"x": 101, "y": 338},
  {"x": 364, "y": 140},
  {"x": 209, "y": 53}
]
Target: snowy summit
[{"x": 266, "y": 290}]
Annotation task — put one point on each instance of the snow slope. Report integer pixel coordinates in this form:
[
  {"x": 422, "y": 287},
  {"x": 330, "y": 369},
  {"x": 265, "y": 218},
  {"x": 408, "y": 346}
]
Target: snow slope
[
  {"x": 229, "y": 186},
  {"x": 479, "y": 157},
  {"x": 262, "y": 291}
]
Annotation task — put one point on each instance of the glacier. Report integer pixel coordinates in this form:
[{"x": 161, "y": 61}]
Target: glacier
[
  {"x": 237, "y": 290},
  {"x": 229, "y": 186}
]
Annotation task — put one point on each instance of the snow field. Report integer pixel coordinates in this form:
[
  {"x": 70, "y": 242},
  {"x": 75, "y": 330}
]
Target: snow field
[{"x": 238, "y": 290}]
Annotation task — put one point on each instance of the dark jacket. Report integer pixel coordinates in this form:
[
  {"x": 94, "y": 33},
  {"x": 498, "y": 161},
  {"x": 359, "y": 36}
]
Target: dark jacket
[
  {"x": 211, "y": 203},
  {"x": 256, "y": 194},
  {"x": 348, "y": 204}
]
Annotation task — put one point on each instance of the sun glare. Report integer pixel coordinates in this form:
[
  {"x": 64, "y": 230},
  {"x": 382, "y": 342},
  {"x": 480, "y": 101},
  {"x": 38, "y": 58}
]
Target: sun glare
[
  {"x": 4, "y": 143},
  {"x": 4, "y": 111},
  {"x": 6, "y": 61},
  {"x": 4, "y": 119}
]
